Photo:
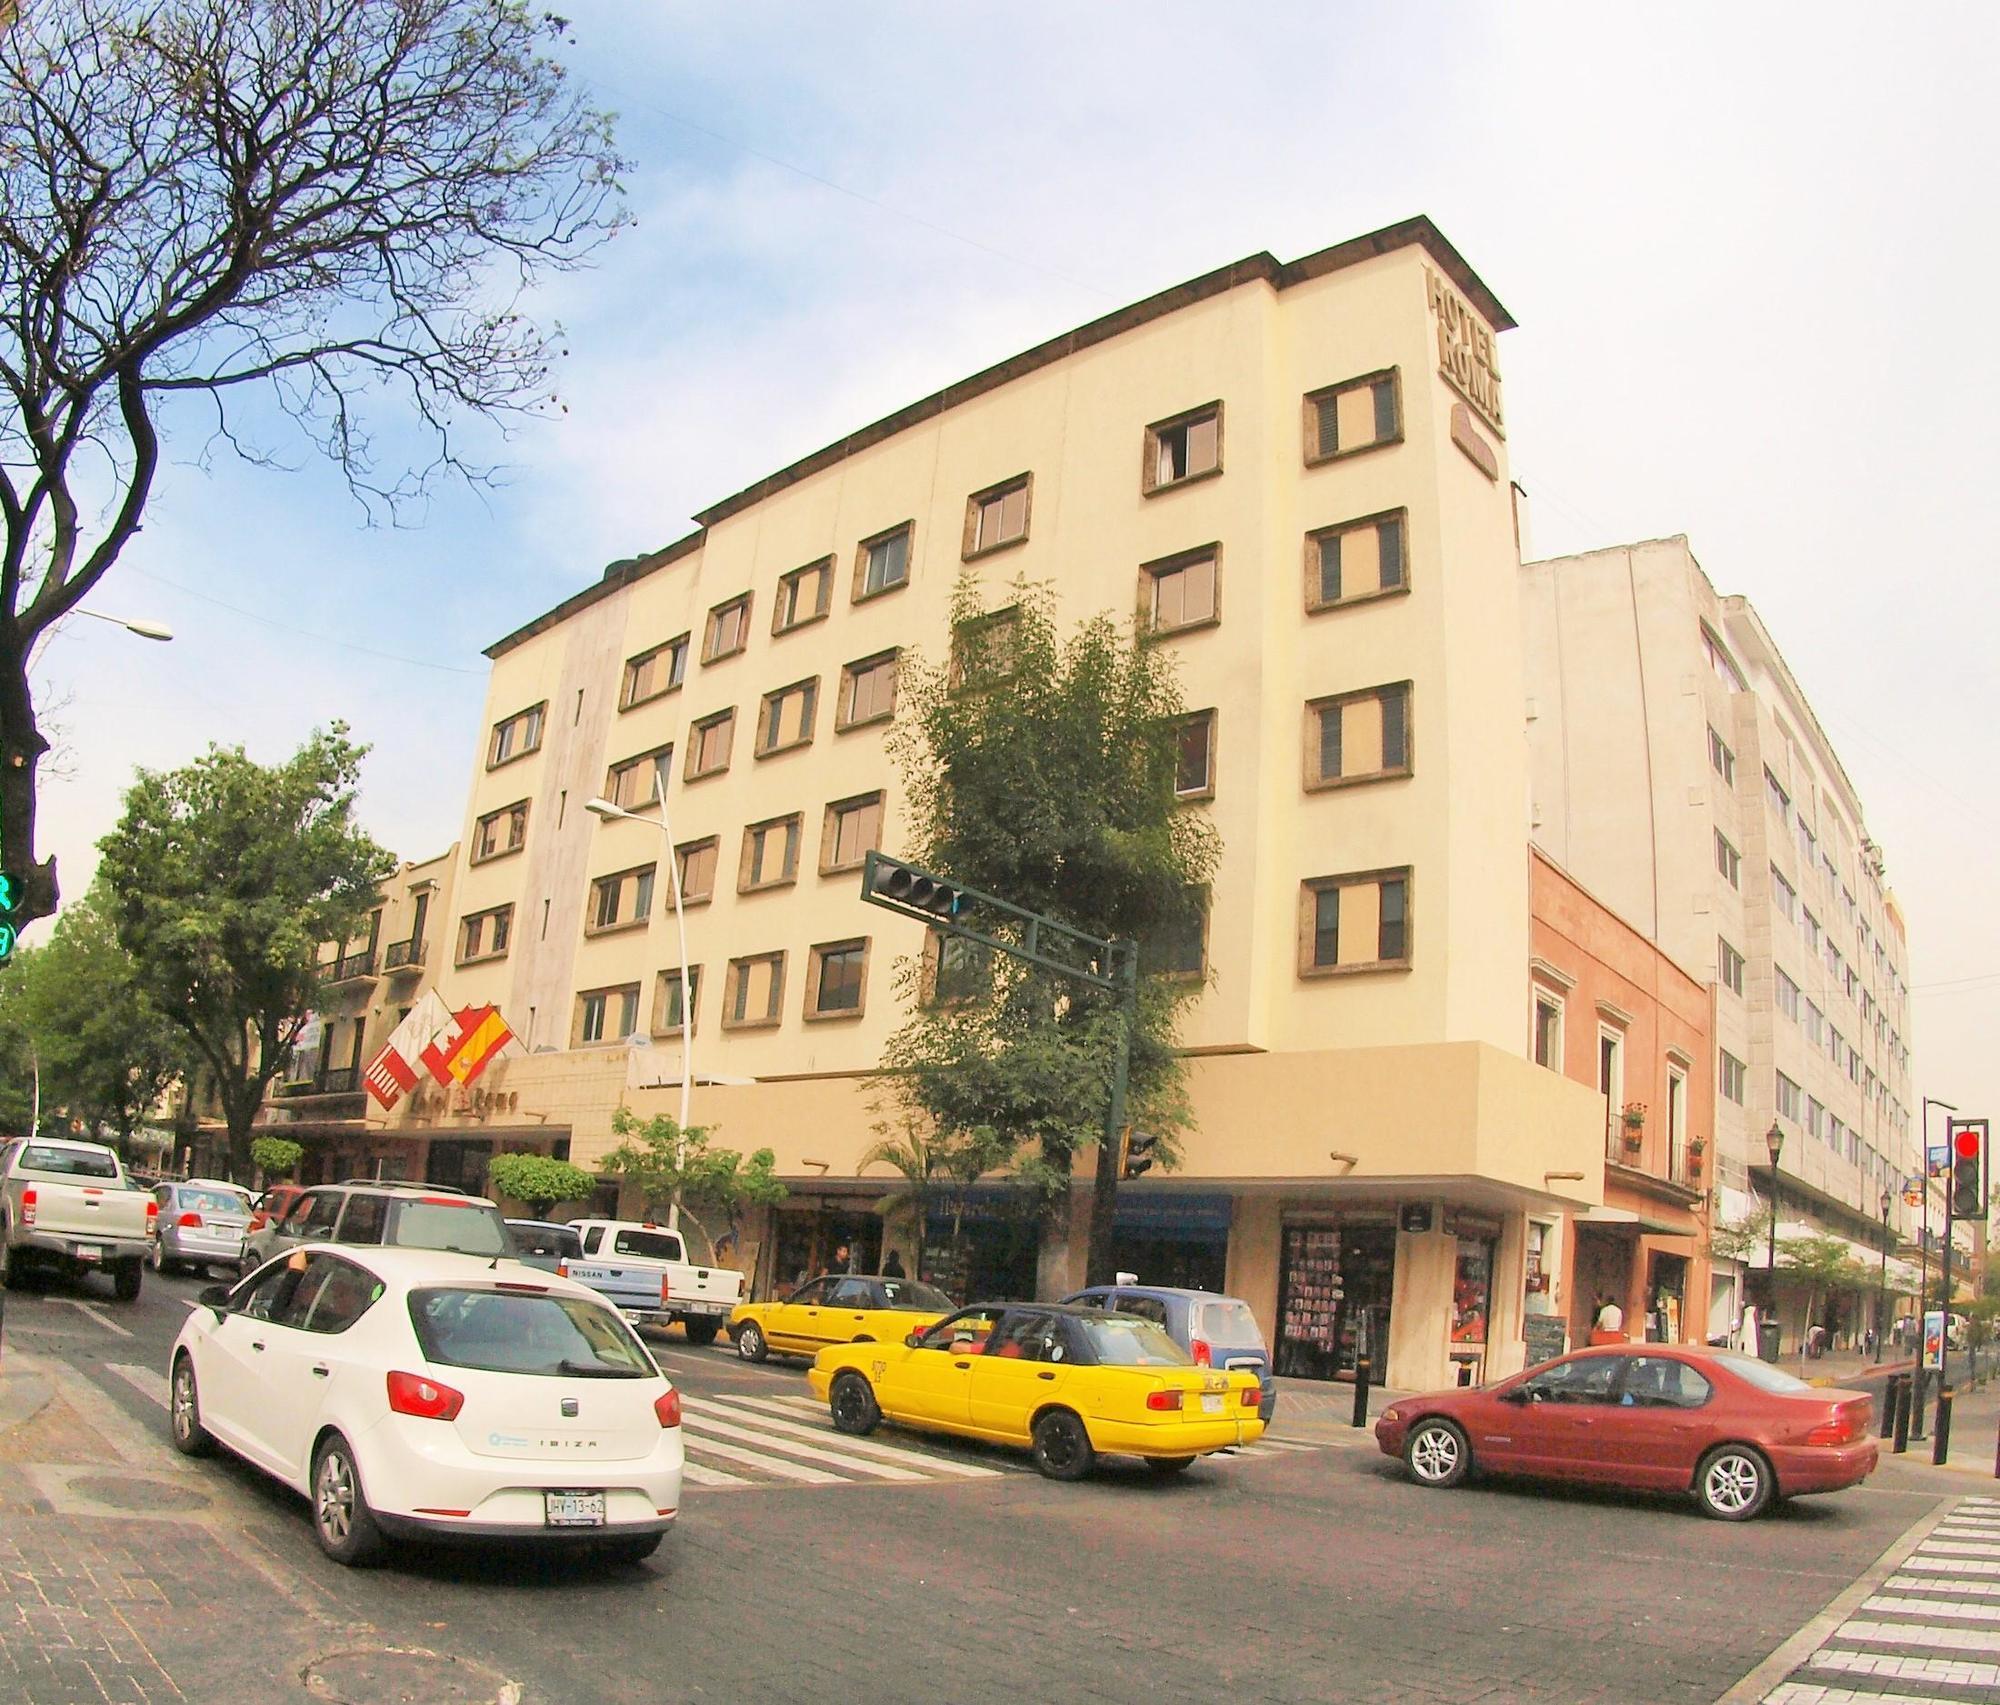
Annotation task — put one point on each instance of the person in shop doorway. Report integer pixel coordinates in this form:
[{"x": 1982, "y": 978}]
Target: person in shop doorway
[
  {"x": 843, "y": 1259},
  {"x": 1609, "y": 1326},
  {"x": 893, "y": 1267},
  {"x": 1746, "y": 1336}
]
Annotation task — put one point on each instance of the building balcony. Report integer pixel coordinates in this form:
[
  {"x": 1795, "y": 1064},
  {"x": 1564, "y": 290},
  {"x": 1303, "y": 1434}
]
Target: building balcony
[
  {"x": 336, "y": 1080},
  {"x": 403, "y": 958},
  {"x": 351, "y": 967}
]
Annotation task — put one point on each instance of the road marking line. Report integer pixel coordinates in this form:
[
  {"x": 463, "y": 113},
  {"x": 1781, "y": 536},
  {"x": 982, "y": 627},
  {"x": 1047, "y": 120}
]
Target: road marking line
[
  {"x": 1958, "y": 1548},
  {"x": 812, "y": 1403},
  {"x": 756, "y": 1459},
  {"x": 1800, "y": 1693},
  {"x": 1934, "y": 1634},
  {"x": 1949, "y": 1565},
  {"x": 1949, "y": 1670},
  {"x": 1911, "y": 1583},
  {"x": 1284, "y": 1444},
  {"x": 148, "y": 1382},
  {"x": 1940, "y": 1607},
  {"x": 710, "y": 1476},
  {"x": 91, "y": 1309},
  {"x": 812, "y": 1453},
  {"x": 866, "y": 1447}
]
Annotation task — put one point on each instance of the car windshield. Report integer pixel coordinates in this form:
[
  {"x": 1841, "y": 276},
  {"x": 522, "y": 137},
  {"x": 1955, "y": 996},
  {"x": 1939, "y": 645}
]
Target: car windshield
[
  {"x": 1125, "y": 1341},
  {"x": 548, "y": 1337},
  {"x": 544, "y": 1239},
  {"x": 652, "y": 1245},
  {"x": 915, "y": 1297},
  {"x": 1229, "y": 1325},
  {"x": 470, "y": 1228},
  {"x": 1762, "y": 1375},
  {"x": 213, "y": 1201},
  {"x": 70, "y": 1163}
]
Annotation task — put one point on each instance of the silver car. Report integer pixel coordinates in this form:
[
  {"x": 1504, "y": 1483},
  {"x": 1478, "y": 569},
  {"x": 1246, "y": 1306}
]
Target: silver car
[{"x": 202, "y": 1221}]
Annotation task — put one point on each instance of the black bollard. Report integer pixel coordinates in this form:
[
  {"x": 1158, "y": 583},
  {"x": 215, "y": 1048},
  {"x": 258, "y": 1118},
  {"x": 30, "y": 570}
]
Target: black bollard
[
  {"x": 1361, "y": 1372},
  {"x": 1918, "y": 1380},
  {"x": 1900, "y": 1402},
  {"x": 1941, "y": 1445},
  {"x": 1889, "y": 1404}
]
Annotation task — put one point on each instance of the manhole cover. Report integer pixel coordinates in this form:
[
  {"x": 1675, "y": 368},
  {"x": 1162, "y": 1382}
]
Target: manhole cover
[
  {"x": 388, "y": 1675},
  {"x": 119, "y": 1492}
]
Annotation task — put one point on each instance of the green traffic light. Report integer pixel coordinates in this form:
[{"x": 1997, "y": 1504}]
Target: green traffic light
[
  {"x": 6, "y": 943},
  {"x": 10, "y": 892}
]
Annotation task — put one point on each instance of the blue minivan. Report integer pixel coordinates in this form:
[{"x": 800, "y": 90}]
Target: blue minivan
[{"x": 1216, "y": 1330}]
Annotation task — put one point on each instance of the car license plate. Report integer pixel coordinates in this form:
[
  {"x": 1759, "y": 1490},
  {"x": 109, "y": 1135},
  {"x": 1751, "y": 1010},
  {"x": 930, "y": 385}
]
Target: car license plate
[
  {"x": 1211, "y": 1402},
  {"x": 90, "y": 1252},
  {"x": 574, "y": 1509}
]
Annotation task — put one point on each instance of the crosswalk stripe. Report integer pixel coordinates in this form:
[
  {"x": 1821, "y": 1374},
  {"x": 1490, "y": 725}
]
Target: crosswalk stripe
[
  {"x": 1952, "y": 1671},
  {"x": 705, "y": 1476},
  {"x": 739, "y": 1406},
  {"x": 704, "y": 1423},
  {"x": 1268, "y": 1443},
  {"x": 1957, "y": 1548},
  {"x": 1938, "y": 1607},
  {"x": 1950, "y": 1565},
  {"x": 148, "y": 1382},
  {"x": 794, "y": 1400},
  {"x": 1918, "y": 1634},
  {"x": 757, "y": 1459},
  {"x": 1912, "y": 1583},
  {"x": 1801, "y": 1693}
]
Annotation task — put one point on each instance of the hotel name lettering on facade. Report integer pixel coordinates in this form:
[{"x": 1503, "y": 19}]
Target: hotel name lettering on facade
[{"x": 1466, "y": 355}]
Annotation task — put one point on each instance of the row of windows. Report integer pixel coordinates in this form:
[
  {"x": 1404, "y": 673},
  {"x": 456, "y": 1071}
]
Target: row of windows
[{"x": 752, "y": 996}]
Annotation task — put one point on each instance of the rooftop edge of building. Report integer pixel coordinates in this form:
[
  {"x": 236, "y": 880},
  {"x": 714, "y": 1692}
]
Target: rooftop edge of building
[{"x": 1262, "y": 267}]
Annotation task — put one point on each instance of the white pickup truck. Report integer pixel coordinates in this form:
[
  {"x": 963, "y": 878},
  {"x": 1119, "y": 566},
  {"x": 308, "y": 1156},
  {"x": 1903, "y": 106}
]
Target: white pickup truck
[
  {"x": 67, "y": 1206},
  {"x": 642, "y": 1270}
]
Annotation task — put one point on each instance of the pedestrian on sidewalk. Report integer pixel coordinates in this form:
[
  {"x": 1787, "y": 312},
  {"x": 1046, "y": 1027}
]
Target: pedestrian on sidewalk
[{"x": 893, "y": 1267}]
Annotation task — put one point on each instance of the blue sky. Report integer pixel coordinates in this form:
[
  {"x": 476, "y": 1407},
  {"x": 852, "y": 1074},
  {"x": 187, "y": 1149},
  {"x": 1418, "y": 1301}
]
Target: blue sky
[{"x": 1751, "y": 258}]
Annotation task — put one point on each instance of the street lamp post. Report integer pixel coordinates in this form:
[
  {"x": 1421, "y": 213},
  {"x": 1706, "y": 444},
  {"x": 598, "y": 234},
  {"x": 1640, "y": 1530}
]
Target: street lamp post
[
  {"x": 1924, "y": 1266},
  {"x": 1882, "y": 1286},
  {"x": 605, "y": 809},
  {"x": 144, "y": 629},
  {"x": 1774, "y": 1141}
]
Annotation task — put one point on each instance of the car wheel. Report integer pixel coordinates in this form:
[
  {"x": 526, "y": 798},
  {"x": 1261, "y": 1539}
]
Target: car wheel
[
  {"x": 1063, "y": 1450},
  {"x": 156, "y": 1259},
  {"x": 701, "y": 1333},
  {"x": 1165, "y": 1465},
  {"x": 628, "y": 1553},
  {"x": 852, "y": 1401},
  {"x": 6, "y": 1259},
  {"x": 1733, "y": 1483},
  {"x": 342, "y": 1522},
  {"x": 125, "y": 1282},
  {"x": 750, "y": 1343},
  {"x": 1436, "y": 1453},
  {"x": 191, "y": 1438}
]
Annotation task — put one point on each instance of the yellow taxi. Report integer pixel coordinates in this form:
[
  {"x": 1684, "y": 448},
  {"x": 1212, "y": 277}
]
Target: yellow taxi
[
  {"x": 837, "y": 1308},
  {"x": 1070, "y": 1383}
]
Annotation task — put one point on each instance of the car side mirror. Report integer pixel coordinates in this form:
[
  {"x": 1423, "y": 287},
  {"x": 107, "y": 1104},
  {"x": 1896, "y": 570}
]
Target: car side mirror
[
  {"x": 215, "y": 1297},
  {"x": 913, "y": 1339},
  {"x": 1518, "y": 1395}
]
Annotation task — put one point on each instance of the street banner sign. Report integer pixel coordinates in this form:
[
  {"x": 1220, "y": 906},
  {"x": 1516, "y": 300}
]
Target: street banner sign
[
  {"x": 1933, "y": 1338},
  {"x": 1937, "y": 1156}
]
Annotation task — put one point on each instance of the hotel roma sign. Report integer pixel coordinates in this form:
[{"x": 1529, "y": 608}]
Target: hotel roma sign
[{"x": 1466, "y": 358}]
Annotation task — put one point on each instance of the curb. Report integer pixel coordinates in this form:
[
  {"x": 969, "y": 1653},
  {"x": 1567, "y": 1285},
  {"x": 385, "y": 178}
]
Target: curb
[{"x": 22, "y": 1398}]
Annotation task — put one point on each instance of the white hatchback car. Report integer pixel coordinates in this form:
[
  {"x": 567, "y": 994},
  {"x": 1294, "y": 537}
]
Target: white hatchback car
[{"x": 411, "y": 1393}]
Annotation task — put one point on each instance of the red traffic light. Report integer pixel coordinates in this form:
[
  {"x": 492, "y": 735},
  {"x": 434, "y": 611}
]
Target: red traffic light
[{"x": 1965, "y": 1142}]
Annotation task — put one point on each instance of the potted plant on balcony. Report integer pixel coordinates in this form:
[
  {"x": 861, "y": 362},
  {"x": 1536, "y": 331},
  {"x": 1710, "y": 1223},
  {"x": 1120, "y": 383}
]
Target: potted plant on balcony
[{"x": 1632, "y": 1123}]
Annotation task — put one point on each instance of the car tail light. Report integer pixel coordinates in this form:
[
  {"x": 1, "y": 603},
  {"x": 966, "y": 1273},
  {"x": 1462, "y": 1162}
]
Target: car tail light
[
  {"x": 1203, "y": 1355},
  {"x": 562, "y": 1268},
  {"x": 1163, "y": 1399},
  {"x": 668, "y": 1408},
  {"x": 412, "y": 1394},
  {"x": 1846, "y": 1425},
  {"x": 1252, "y": 1396},
  {"x": 28, "y": 1206},
  {"x": 187, "y": 1222},
  {"x": 663, "y": 1290}
]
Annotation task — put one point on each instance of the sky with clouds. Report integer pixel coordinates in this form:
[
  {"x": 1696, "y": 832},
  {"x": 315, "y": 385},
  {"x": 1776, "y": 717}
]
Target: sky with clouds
[{"x": 1751, "y": 252}]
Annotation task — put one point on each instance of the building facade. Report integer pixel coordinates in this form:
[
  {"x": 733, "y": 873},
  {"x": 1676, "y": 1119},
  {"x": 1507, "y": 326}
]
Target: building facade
[
  {"x": 1680, "y": 772},
  {"x": 1297, "y": 473}
]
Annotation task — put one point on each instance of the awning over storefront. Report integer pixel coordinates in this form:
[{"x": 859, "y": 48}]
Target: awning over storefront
[{"x": 1626, "y": 1219}]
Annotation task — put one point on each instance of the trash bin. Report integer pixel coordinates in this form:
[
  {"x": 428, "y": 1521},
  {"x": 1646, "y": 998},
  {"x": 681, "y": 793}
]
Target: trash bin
[{"x": 1767, "y": 1340}]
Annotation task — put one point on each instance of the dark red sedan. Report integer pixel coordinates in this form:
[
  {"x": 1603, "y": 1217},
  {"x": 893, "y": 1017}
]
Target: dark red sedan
[{"x": 1656, "y": 1417}]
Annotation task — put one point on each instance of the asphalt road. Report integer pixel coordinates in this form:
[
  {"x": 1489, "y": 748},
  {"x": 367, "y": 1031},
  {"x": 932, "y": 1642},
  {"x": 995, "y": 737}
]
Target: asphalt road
[{"x": 924, "y": 1570}]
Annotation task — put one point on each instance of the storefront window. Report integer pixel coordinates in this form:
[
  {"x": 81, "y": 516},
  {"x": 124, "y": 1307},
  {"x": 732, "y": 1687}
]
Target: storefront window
[
  {"x": 1333, "y": 1299},
  {"x": 1472, "y": 1291}
]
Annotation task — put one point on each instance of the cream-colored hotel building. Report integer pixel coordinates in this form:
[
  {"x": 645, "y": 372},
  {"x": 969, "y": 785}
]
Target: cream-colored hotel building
[{"x": 1298, "y": 474}]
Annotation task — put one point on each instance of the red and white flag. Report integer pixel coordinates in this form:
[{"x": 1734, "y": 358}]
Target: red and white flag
[{"x": 425, "y": 1036}]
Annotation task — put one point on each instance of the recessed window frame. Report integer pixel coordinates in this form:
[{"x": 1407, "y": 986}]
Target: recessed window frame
[
  {"x": 770, "y": 717},
  {"x": 1316, "y": 454},
  {"x": 936, "y": 947},
  {"x": 790, "y": 822},
  {"x": 1721, "y": 757},
  {"x": 1204, "y": 902},
  {"x": 684, "y": 853},
  {"x": 670, "y": 976},
  {"x": 1315, "y": 604},
  {"x": 850, "y": 676},
  {"x": 1150, "y": 483},
  {"x": 995, "y": 497},
  {"x": 1206, "y": 721},
  {"x": 647, "y": 763},
  {"x": 1005, "y": 620},
  {"x": 1315, "y": 782},
  {"x": 698, "y": 732},
  {"x": 1551, "y": 1002},
  {"x": 1151, "y": 574},
  {"x": 830, "y": 863},
  {"x": 862, "y": 591},
  {"x": 1313, "y": 886},
  {"x": 676, "y": 675},
  {"x": 786, "y": 614},
  {"x": 1728, "y": 861},
  {"x": 1728, "y": 966},
  {"x": 718, "y": 621},
  {"x": 814, "y": 1012},
  {"x": 732, "y": 990},
  {"x": 536, "y": 716},
  {"x": 504, "y": 915},
  {"x": 644, "y": 879},
  {"x": 518, "y": 811},
  {"x": 1732, "y": 1077},
  {"x": 627, "y": 996}
]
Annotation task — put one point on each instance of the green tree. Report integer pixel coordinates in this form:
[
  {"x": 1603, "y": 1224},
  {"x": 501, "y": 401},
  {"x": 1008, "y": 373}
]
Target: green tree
[
  {"x": 223, "y": 879},
  {"x": 265, "y": 221},
  {"x": 539, "y": 1180},
  {"x": 668, "y": 1165},
  {"x": 936, "y": 1170},
  {"x": 1826, "y": 1264},
  {"x": 1734, "y": 1239},
  {"x": 1040, "y": 766},
  {"x": 275, "y": 1157}
]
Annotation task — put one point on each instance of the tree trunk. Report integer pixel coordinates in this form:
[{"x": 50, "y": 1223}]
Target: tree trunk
[{"x": 22, "y": 746}]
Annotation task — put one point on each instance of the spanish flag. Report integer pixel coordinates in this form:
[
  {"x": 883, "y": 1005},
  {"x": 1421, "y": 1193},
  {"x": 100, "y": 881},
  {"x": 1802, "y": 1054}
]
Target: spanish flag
[{"x": 482, "y": 1033}]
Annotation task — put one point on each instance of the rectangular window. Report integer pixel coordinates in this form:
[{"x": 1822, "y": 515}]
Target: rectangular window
[
  {"x": 728, "y": 629},
  {"x": 1809, "y": 928},
  {"x": 1732, "y": 1077},
  {"x": 982, "y": 649},
  {"x": 1779, "y": 800},
  {"x": 1611, "y": 1076},
  {"x": 755, "y": 990},
  {"x": 1179, "y": 591},
  {"x": 667, "y": 1009},
  {"x": 635, "y": 782},
  {"x": 786, "y": 719},
  {"x": 1815, "y": 1120},
  {"x": 500, "y": 832},
  {"x": 1720, "y": 661},
  {"x": 1548, "y": 1030},
  {"x": 1355, "y": 415},
  {"x": 956, "y": 969},
  {"x": 770, "y": 854},
  {"x": 1183, "y": 448},
  {"x": 804, "y": 596},
  {"x": 1835, "y": 1042},
  {"x": 1808, "y": 848},
  {"x": 853, "y": 829},
  {"x": 1728, "y": 861},
  {"x": 606, "y": 1015},
  {"x": 653, "y": 673},
  {"x": 1360, "y": 736},
  {"x": 883, "y": 562},
  {"x": 1356, "y": 560},
  {"x": 1194, "y": 756},
  {"x": 1784, "y": 897},
  {"x": 697, "y": 860},
  {"x": 1728, "y": 966},
  {"x": 1787, "y": 996},
  {"x": 484, "y": 935},
  {"x": 1357, "y": 922},
  {"x": 1721, "y": 759},
  {"x": 519, "y": 735},
  {"x": 1179, "y": 948},
  {"x": 835, "y": 979},
  {"x": 709, "y": 741},
  {"x": 620, "y": 900},
  {"x": 997, "y": 516},
  {"x": 1791, "y": 1099},
  {"x": 867, "y": 691},
  {"x": 1815, "y": 1022}
]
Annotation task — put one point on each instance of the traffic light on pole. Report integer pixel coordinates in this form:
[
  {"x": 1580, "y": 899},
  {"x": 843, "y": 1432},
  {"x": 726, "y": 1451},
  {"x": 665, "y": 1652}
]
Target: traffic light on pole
[
  {"x": 911, "y": 887},
  {"x": 11, "y": 895},
  {"x": 1968, "y": 1173},
  {"x": 1137, "y": 1155}
]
